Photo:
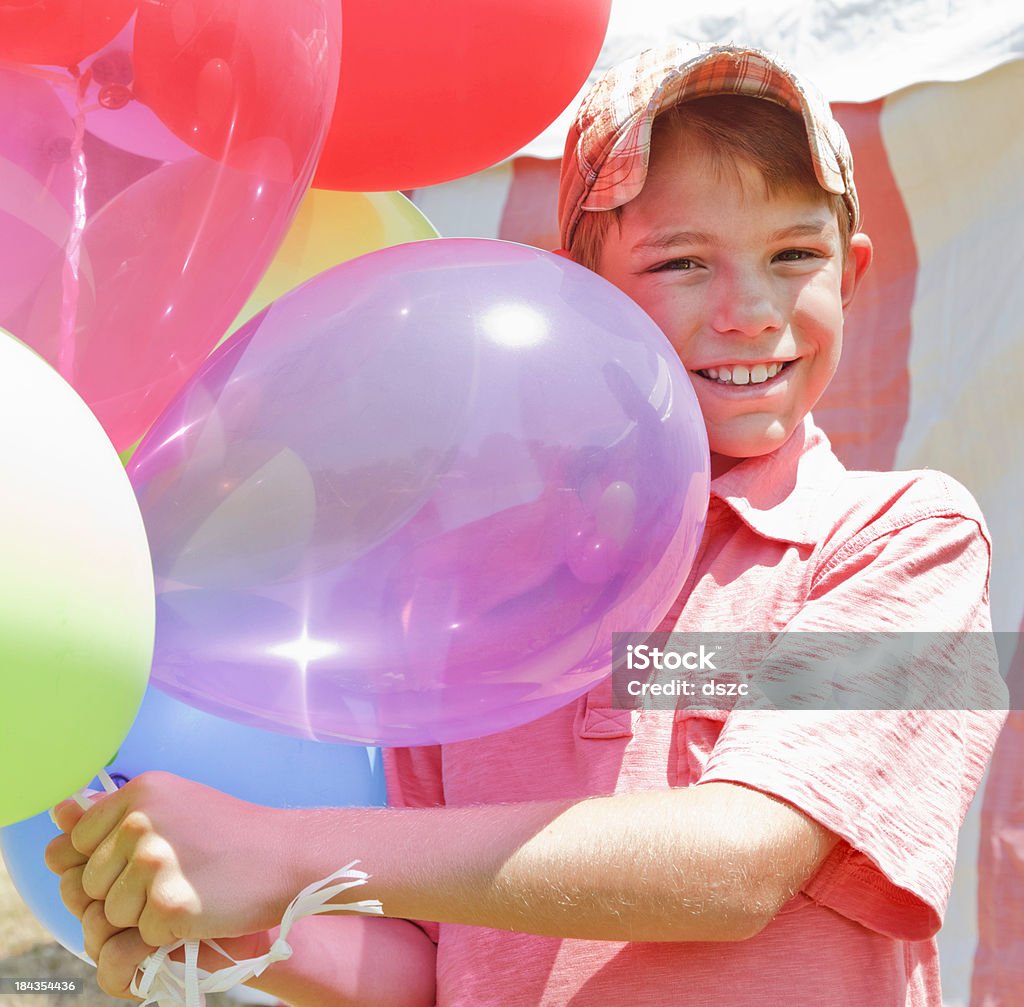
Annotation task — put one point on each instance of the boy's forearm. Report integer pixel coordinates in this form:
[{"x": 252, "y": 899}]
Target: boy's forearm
[
  {"x": 702, "y": 864},
  {"x": 713, "y": 862},
  {"x": 354, "y": 960}
]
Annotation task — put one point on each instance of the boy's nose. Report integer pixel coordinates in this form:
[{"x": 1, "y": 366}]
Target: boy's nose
[{"x": 744, "y": 304}]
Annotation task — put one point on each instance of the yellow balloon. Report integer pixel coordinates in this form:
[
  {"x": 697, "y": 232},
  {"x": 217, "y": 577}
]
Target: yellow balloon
[{"x": 332, "y": 227}]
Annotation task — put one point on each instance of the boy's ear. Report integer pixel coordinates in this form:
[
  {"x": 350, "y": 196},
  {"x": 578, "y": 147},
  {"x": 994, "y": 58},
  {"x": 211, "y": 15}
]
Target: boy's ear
[
  {"x": 561, "y": 252},
  {"x": 857, "y": 262}
]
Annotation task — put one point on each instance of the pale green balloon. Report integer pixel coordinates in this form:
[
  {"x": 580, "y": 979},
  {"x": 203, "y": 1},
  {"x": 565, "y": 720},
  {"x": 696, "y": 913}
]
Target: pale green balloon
[
  {"x": 125, "y": 456},
  {"x": 76, "y": 590}
]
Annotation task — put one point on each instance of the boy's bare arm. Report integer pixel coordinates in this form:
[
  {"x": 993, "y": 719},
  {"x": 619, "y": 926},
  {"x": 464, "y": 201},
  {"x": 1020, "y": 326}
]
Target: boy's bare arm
[{"x": 706, "y": 863}]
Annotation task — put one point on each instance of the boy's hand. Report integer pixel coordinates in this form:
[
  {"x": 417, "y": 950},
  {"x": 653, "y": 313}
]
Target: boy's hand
[
  {"x": 174, "y": 859},
  {"x": 119, "y": 952}
]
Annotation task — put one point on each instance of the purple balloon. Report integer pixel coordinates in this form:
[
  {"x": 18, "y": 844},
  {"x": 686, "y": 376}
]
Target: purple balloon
[{"x": 411, "y": 501}]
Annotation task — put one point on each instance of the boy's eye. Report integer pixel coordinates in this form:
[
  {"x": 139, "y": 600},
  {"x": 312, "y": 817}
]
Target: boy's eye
[
  {"x": 675, "y": 264},
  {"x": 795, "y": 255}
]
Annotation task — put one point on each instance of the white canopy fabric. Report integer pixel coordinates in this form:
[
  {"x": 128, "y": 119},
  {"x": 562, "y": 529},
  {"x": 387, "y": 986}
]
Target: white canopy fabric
[{"x": 853, "y": 50}]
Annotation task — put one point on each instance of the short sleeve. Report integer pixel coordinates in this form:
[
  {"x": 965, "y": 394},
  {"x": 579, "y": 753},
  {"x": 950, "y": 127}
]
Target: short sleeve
[
  {"x": 413, "y": 777},
  {"x": 893, "y": 784}
]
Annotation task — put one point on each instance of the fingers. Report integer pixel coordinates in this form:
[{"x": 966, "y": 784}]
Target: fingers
[
  {"x": 135, "y": 869},
  {"x": 97, "y": 929},
  {"x": 93, "y": 826},
  {"x": 66, "y": 815},
  {"x": 166, "y": 914},
  {"x": 60, "y": 855},
  {"x": 108, "y": 860},
  {"x": 101, "y": 920},
  {"x": 72, "y": 894},
  {"x": 118, "y": 960},
  {"x": 125, "y": 898}
]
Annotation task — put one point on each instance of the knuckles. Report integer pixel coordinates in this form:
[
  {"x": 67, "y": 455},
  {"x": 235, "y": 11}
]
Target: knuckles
[
  {"x": 59, "y": 855},
  {"x": 118, "y": 960},
  {"x": 135, "y": 825},
  {"x": 151, "y": 854},
  {"x": 117, "y": 914},
  {"x": 94, "y": 929},
  {"x": 166, "y": 918},
  {"x": 93, "y": 886},
  {"x": 155, "y": 934},
  {"x": 72, "y": 894},
  {"x": 129, "y": 880},
  {"x": 66, "y": 814},
  {"x": 172, "y": 910}
]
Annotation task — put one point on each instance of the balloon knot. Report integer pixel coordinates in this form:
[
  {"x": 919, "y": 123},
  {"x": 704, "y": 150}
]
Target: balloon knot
[{"x": 115, "y": 95}]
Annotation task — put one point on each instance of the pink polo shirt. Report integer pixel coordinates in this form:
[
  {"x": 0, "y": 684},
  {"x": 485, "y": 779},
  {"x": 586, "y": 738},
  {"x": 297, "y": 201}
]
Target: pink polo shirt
[{"x": 793, "y": 541}]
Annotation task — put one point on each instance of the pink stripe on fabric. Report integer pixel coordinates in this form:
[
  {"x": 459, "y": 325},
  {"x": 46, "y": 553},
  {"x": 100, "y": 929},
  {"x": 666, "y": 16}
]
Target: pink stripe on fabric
[
  {"x": 998, "y": 978},
  {"x": 530, "y": 213},
  {"x": 864, "y": 411}
]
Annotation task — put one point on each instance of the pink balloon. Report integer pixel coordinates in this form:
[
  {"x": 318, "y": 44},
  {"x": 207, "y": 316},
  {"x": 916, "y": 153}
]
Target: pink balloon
[
  {"x": 125, "y": 255},
  {"x": 36, "y": 185},
  {"x": 164, "y": 267},
  {"x": 411, "y": 501}
]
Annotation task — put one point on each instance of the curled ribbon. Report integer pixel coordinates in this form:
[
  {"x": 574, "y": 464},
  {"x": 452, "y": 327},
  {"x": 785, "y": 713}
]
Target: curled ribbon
[{"x": 173, "y": 984}]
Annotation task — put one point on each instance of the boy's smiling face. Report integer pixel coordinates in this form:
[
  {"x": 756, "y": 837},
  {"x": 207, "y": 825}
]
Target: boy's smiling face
[{"x": 749, "y": 287}]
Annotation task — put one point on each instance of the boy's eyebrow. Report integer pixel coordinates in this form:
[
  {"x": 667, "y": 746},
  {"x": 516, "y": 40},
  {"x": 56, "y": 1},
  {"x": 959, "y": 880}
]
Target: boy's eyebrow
[
  {"x": 659, "y": 242},
  {"x": 810, "y": 229},
  {"x": 818, "y": 228}
]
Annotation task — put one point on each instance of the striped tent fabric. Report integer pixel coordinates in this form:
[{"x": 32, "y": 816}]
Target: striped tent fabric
[{"x": 932, "y": 363}]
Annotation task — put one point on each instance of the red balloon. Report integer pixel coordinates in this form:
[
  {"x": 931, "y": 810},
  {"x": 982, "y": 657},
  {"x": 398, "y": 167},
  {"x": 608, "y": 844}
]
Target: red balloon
[
  {"x": 433, "y": 91},
  {"x": 231, "y": 77},
  {"x": 59, "y": 32}
]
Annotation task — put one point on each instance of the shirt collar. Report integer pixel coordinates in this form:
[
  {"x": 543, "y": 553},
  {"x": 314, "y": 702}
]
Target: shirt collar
[{"x": 779, "y": 495}]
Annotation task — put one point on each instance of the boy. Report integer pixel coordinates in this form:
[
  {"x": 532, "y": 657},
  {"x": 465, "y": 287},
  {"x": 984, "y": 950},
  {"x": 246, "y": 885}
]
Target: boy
[{"x": 599, "y": 855}]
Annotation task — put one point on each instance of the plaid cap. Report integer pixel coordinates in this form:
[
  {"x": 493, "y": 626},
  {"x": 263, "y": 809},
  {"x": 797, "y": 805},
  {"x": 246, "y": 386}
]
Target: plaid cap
[{"x": 608, "y": 146}]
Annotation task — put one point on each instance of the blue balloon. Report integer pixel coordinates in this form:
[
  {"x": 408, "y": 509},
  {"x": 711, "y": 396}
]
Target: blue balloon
[{"x": 263, "y": 767}]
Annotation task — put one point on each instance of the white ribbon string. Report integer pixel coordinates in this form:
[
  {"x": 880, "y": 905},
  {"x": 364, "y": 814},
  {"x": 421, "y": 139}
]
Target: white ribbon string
[
  {"x": 83, "y": 797},
  {"x": 173, "y": 984},
  {"x": 167, "y": 983}
]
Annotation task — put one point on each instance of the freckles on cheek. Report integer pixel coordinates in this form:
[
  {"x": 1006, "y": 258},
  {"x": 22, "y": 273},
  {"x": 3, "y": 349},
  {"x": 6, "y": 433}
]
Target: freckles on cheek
[
  {"x": 821, "y": 328},
  {"x": 819, "y": 305},
  {"x": 675, "y": 329}
]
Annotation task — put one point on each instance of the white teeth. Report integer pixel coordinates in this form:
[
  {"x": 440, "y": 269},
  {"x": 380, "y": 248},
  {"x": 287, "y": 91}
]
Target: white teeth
[{"x": 740, "y": 374}]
